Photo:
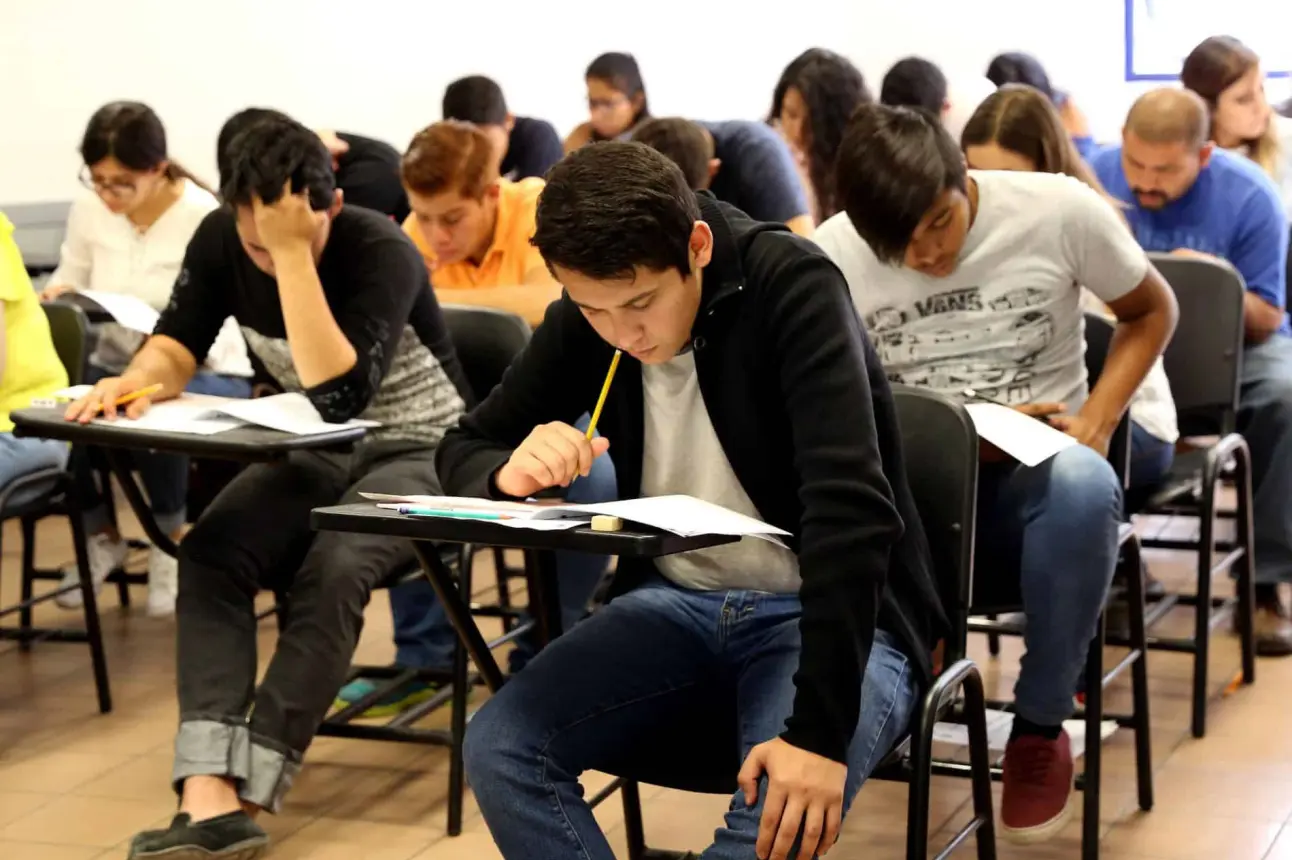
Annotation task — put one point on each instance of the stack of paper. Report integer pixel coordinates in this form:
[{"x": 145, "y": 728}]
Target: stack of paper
[
  {"x": 681, "y": 515},
  {"x": 205, "y": 415},
  {"x": 128, "y": 311}
]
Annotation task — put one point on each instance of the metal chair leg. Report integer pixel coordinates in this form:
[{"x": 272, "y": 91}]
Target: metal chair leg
[
  {"x": 458, "y": 706},
  {"x": 1139, "y": 675},
  {"x": 633, "y": 825},
  {"x": 28, "y": 579},
  {"x": 93, "y": 632},
  {"x": 1094, "y": 747}
]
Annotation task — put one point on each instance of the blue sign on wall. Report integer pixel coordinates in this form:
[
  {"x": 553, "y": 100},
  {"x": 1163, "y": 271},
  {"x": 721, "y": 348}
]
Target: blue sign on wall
[{"x": 1161, "y": 33}]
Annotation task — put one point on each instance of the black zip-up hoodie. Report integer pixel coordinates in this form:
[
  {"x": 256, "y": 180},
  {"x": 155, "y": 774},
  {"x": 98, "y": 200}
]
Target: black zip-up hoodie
[{"x": 800, "y": 403}]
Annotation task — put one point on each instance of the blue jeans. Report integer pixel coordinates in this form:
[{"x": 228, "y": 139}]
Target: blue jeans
[
  {"x": 23, "y": 456},
  {"x": 1054, "y": 527},
  {"x": 1265, "y": 420},
  {"x": 423, "y": 637},
  {"x": 1150, "y": 458},
  {"x": 642, "y": 660},
  {"x": 164, "y": 476}
]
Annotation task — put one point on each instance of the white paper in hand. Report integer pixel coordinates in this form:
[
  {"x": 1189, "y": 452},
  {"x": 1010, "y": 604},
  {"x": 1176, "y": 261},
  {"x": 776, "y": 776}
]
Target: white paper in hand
[
  {"x": 128, "y": 311},
  {"x": 1027, "y": 440}
]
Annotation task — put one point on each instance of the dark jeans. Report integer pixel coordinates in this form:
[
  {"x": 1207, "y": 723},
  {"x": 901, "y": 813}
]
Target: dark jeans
[
  {"x": 648, "y": 658},
  {"x": 1053, "y": 527},
  {"x": 164, "y": 476},
  {"x": 1150, "y": 458},
  {"x": 1265, "y": 420},
  {"x": 255, "y": 535}
]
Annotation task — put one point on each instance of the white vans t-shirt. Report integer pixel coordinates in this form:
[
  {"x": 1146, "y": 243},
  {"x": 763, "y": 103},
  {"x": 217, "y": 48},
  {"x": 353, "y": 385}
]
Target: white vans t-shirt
[{"x": 1008, "y": 321}]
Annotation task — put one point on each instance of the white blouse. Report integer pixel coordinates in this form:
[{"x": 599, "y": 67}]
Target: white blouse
[{"x": 105, "y": 252}]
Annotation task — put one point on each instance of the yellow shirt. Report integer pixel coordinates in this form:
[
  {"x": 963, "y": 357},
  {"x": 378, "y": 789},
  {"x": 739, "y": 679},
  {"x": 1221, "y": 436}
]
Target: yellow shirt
[
  {"x": 510, "y": 255},
  {"x": 31, "y": 366}
]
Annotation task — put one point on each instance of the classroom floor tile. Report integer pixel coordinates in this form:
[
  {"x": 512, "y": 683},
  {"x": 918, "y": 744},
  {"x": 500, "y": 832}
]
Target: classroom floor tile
[{"x": 74, "y": 784}]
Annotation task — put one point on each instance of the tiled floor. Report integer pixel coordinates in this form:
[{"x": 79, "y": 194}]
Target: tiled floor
[{"x": 75, "y": 785}]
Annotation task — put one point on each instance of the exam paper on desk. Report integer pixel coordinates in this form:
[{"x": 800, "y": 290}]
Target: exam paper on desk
[
  {"x": 128, "y": 311},
  {"x": 1026, "y": 439},
  {"x": 681, "y": 515}
]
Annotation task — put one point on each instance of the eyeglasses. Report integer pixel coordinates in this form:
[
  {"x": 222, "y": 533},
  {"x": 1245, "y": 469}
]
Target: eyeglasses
[
  {"x": 595, "y": 105},
  {"x": 118, "y": 188}
]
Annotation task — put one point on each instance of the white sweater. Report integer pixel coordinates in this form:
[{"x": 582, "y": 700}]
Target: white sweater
[{"x": 105, "y": 252}]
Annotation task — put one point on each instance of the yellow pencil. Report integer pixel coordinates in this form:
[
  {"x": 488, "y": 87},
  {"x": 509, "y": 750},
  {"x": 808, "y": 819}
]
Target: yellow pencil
[
  {"x": 601, "y": 401},
  {"x": 146, "y": 391}
]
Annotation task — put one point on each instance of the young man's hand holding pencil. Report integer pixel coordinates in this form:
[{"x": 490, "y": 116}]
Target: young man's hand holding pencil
[
  {"x": 555, "y": 454},
  {"x": 132, "y": 397}
]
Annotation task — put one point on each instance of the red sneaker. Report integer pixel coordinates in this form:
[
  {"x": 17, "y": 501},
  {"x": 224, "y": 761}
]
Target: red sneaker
[{"x": 1038, "y": 785}]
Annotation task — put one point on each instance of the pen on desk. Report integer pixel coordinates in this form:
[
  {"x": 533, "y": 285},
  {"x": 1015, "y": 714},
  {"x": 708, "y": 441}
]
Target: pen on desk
[
  {"x": 146, "y": 391},
  {"x": 417, "y": 511},
  {"x": 601, "y": 401}
]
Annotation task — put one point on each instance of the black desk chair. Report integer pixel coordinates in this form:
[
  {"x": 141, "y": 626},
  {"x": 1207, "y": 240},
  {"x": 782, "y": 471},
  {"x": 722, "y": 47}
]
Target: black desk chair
[
  {"x": 1004, "y": 598},
  {"x": 486, "y": 341},
  {"x": 1203, "y": 363},
  {"x": 56, "y": 496},
  {"x": 702, "y": 753}
]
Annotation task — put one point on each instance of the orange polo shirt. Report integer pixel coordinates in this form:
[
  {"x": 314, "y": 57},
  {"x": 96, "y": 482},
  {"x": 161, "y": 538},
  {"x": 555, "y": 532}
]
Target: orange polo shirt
[{"x": 510, "y": 255}]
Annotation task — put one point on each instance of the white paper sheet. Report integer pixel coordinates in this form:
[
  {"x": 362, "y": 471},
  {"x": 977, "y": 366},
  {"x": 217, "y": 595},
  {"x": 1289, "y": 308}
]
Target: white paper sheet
[
  {"x": 681, "y": 515},
  {"x": 291, "y": 413},
  {"x": 128, "y": 311},
  {"x": 1026, "y": 439},
  {"x": 1001, "y": 723}
]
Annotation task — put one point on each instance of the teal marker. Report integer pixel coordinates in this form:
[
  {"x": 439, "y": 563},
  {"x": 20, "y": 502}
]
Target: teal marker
[{"x": 413, "y": 510}]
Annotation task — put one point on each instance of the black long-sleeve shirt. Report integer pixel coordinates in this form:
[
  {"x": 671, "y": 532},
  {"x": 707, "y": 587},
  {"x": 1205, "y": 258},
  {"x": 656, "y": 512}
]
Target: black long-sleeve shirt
[
  {"x": 406, "y": 374},
  {"x": 805, "y": 416}
]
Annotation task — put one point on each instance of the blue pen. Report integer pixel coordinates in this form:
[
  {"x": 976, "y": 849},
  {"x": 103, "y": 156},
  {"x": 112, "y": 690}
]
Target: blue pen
[{"x": 414, "y": 510}]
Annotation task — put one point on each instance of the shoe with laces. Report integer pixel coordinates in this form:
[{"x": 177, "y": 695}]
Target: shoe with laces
[
  {"x": 1035, "y": 804},
  {"x": 105, "y": 555}
]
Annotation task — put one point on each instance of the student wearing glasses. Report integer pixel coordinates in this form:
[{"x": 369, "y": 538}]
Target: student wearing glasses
[
  {"x": 129, "y": 238},
  {"x": 616, "y": 101}
]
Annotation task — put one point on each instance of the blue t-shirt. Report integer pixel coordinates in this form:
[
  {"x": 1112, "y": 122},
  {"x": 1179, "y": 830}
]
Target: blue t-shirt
[
  {"x": 757, "y": 173},
  {"x": 1233, "y": 211}
]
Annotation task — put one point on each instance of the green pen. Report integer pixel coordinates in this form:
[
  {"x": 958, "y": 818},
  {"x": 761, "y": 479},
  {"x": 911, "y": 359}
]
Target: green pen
[{"x": 414, "y": 510}]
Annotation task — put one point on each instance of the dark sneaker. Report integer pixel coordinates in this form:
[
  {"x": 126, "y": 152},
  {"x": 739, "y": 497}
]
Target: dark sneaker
[
  {"x": 232, "y": 836},
  {"x": 1035, "y": 804},
  {"x": 1273, "y": 630}
]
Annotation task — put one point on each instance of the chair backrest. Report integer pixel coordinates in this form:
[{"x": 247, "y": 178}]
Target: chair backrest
[
  {"x": 486, "y": 341},
  {"x": 940, "y": 447},
  {"x": 68, "y": 327},
  {"x": 1204, "y": 359},
  {"x": 38, "y": 230},
  {"x": 1099, "y": 337}
]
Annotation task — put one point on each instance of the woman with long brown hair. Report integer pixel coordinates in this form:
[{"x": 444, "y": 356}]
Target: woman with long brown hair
[
  {"x": 1228, "y": 76},
  {"x": 1018, "y": 128}
]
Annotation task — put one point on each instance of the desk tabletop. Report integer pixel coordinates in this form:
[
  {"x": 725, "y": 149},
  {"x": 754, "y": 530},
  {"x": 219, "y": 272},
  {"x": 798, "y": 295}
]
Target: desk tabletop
[
  {"x": 249, "y": 444},
  {"x": 366, "y": 518}
]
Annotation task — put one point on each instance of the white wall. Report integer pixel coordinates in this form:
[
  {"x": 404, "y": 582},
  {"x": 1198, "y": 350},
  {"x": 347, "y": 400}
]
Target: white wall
[{"x": 379, "y": 67}]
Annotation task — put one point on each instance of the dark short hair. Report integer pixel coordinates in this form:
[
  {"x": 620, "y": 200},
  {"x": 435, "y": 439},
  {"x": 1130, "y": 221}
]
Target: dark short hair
[
  {"x": 688, "y": 144},
  {"x": 235, "y": 125},
  {"x": 475, "y": 99},
  {"x": 610, "y": 208},
  {"x": 914, "y": 82},
  {"x": 271, "y": 152},
  {"x": 893, "y": 164},
  {"x": 1015, "y": 67}
]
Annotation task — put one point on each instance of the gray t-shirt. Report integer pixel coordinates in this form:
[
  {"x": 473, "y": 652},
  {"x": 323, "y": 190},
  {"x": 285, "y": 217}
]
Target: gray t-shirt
[
  {"x": 681, "y": 455},
  {"x": 1008, "y": 321}
]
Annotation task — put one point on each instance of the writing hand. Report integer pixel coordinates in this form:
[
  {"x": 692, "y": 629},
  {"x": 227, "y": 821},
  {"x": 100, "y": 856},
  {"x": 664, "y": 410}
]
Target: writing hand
[
  {"x": 552, "y": 455},
  {"x": 105, "y": 394},
  {"x": 803, "y": 790}
]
